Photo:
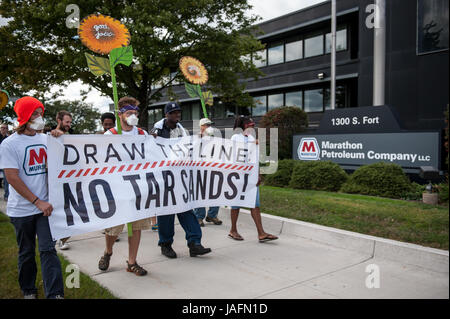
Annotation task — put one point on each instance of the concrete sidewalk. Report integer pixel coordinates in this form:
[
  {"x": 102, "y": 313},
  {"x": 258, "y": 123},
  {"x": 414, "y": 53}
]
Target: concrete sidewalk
[{"x": 308, "y": 261}]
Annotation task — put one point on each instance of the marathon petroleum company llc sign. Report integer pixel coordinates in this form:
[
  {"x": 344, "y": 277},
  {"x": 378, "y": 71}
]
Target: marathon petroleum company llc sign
[{"x": 367, "y": 135}]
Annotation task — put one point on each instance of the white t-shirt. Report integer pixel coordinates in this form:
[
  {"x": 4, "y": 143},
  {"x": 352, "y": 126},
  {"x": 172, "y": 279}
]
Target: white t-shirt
[
  {"x": 28, "y": 154},
  {"x": 134, "y": 131},
  {"x": 243, "y": 138}
]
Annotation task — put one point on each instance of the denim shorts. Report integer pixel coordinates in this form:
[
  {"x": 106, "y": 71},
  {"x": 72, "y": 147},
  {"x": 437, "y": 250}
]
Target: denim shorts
[{"x": 256, "y": 203}]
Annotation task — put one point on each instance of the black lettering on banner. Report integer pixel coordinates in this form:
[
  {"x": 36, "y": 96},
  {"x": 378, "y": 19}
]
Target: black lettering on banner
[
  {"x": 177, "y": 151},
  {"x": 231, "y": 184},
  {"x": 224, "y": 151},
  {"x": 137, "y": 191},
  {"x": 66, "y": 160},
  {"x": 168, "y": 187},
  {"x": 134, "y": 149},
  {"x": 162, "y": 149},
  {"x": 219, "y": 184},
  {"x": 245, "y": 186},
  {"x": 150, "y": 182},
  {"x": 95, "y": 201},
  {"x": 186, "y": 195},
  {"x": 191, "y": 185},
  {"x": 79, "y": 206},
  {"x": 201, "y": 185},
  {"x": 239, "y": 155},
  {"x": 200, "y": 155},
  {"x": 87, "y": 155},
  {"x": 108, "y": 153},
  {"x": 190, "y": 149}
]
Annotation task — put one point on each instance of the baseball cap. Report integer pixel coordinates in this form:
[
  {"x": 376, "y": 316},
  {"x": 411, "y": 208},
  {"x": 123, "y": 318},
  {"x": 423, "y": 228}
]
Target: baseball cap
[
  {"x": 205, "y": 121},
  {"x": 171, "y": 106}
]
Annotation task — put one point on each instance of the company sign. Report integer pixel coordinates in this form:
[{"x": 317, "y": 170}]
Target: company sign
[{"x": 409, "y": 150}]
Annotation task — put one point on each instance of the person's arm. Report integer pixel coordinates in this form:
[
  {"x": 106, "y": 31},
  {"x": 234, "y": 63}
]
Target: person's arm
[{"x": 12, "y": 176}]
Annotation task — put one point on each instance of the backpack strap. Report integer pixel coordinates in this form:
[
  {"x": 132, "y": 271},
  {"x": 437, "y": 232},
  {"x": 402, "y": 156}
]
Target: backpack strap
[{"x": 113, "y": 130}]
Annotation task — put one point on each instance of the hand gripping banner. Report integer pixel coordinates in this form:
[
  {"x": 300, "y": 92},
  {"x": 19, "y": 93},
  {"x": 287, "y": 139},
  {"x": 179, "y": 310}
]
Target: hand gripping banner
[{"x": 100, "y": 181}]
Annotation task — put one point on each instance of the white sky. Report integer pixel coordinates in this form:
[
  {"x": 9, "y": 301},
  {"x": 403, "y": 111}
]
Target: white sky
[{"x": 266, "y": 9}]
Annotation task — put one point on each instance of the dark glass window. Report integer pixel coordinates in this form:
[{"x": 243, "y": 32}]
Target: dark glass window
[
  {"x": 314, "y": 46},
  {"x": 294, "y": 50},
  {"x": 261, "y": 105},
  {"x": 341, "y": 41},
  {"x": 263, "y": 59},
  {"x": 340, "y": 97},
  {"x": 432, "y": 25},
  {"x": 313, "y": 100},
  {"x": 275, "y": 100},
  {"x": 276, "y": 54},
  {"x": 294, "y": 99}
]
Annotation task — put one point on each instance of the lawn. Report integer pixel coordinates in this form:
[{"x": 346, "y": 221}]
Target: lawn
[
  {"x": 406, "y": 221},
  {"x": 9, "y": 286}
]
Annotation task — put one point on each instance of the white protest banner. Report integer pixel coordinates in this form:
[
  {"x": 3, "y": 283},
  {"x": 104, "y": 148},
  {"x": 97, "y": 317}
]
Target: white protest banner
[{"x": 100, "y": 181}]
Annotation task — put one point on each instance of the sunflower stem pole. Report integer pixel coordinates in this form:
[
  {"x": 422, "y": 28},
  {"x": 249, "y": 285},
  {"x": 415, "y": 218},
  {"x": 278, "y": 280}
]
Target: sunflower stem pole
[
  {"x": 203, "y": 103},
  {"x": 119, "y": 126}
]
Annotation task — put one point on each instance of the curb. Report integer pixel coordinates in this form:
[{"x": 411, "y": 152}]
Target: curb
[{"x": 412, "y": 254}]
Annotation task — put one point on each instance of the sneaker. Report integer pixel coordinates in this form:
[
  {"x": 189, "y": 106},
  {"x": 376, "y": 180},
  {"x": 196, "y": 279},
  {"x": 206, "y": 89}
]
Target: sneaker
[
  {"x": 62, "y": 245},
  {"x": 214, "y": 220},
  {"x": 166, "y": 250},
  {"x": 197, "y": 250},
  {"x": 30, "y": 296},
  {"x": 155, "y": 227},
  {"x": 200, "y": 222}
]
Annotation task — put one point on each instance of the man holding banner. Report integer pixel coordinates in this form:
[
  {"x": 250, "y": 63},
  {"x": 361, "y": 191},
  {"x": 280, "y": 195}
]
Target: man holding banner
[
  {"x": 24, "y": 161},
  {"x": 128, "y": 110},
  {"x": 170, "y": 127}
]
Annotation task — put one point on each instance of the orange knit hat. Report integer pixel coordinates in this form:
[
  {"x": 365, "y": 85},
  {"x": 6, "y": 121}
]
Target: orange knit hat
[{"x": 25, "y": 107}]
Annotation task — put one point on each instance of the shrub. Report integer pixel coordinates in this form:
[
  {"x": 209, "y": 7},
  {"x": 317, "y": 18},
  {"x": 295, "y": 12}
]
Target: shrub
[
  {"x": 379, "y": 179},
  {"x": 443, "y": 192},
  {"x": 289, "y": 120},
  {"x": 415, "y": 193},
  {"x": 317, "y": 175},
  {"x": 283, "y": 174}
]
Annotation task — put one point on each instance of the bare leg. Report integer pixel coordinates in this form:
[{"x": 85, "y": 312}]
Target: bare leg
[
  {"x": 110, "y": 240},
  {"x": 256, "y": 215},
  {"x": 234, "y": 217},
  {"x": 133, "y": 246}
]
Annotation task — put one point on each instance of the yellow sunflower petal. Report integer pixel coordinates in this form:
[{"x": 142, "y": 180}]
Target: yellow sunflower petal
[
  {"x": 102, "y": 33},
  {"x": 3, "y": 99},
  {"x": 193, "y": 70}
]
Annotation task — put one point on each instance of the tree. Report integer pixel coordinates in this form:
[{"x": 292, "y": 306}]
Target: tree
[
  {"x": 38, "y": 50},
  {"x": 84, "y": 116}
]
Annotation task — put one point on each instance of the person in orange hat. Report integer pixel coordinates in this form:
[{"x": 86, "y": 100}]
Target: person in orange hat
[{"x": 24, "y": 162}]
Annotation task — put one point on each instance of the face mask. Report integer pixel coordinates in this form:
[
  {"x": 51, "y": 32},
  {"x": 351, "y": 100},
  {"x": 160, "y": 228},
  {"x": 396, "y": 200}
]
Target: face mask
[
  {"x": 37, "y": 124},
  {"x": 132, "y": 120},
  {"x": 209, "y": 131}
]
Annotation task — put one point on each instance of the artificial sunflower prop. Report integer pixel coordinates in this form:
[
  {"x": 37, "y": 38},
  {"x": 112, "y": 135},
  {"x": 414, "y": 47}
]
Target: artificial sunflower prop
[
  {"x": 102, "y": 33},
  {"x": 193, "y": 70},
  {"x": 4, "y": 98}
]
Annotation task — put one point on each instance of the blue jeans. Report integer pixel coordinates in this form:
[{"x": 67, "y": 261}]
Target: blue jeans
[
  {"x": 166, "y": 227},
  {"x": 200, "y": 212},
  {"x": 26, "y": 230}
]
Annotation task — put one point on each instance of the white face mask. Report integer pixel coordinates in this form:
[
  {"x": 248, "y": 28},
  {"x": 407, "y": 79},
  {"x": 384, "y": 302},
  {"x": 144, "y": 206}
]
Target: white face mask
[
  {"x": 37, "y": 124},
  {"x": 209, "y": 131},
  {"x": 132, "y": 120}
]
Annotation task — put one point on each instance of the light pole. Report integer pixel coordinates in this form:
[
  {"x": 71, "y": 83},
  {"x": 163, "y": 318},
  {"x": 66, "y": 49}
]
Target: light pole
[
  {"x": 379, "y": 53},
  {"x": 333, "y": 55}
]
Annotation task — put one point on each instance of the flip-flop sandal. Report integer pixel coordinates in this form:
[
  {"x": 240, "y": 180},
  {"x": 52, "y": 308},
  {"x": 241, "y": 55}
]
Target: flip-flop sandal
[
  {"x": 239, "y": 237},
  {"x": 267, "y": 238}
]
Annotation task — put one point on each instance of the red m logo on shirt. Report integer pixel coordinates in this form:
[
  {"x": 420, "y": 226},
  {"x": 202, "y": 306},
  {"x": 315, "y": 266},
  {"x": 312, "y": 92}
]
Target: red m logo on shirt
[{"x": 34, "y": 157}]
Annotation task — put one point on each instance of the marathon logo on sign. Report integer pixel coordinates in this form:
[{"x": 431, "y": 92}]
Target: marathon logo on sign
[
  {"x": 35, "y": 161},
  {"x": 308, "y": 149}
]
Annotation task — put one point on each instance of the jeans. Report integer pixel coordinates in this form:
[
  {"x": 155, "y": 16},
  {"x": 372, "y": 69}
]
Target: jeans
[
  {"x": 26, "y": 230},
  {"x": 200, "y": 212},
  {"x": 166, "y": 227}
]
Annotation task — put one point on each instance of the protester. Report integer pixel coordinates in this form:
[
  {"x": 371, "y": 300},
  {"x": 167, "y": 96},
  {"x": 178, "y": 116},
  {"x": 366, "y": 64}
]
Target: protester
[
  {"x": 108, "y": 120},
  {"x": 128, "y": 111},
  {"x": 24, "y": 161},
  {"x": 207, "y": 130},
  {"x": 64, "y": 120},
  {"x": 3, "y": 135},
  {"x": 169, "y": 127},
  {"x": 246, "y": 124}
]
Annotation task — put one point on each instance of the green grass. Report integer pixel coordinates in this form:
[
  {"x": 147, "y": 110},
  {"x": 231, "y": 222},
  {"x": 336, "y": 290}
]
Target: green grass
[
  {"x": 9, "y": 285},
  {"x": 406, "y": 221}
]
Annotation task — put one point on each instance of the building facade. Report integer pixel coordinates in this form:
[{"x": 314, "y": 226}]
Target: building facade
[{"x": 297, "y": 68}]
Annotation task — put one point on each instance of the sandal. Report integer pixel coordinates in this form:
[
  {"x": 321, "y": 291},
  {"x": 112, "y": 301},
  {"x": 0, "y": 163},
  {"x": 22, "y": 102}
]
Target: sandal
[
  {"x": 267, "y": 237},
  {"x": 138, "y": 270},
  {"x": 235, "y": 237},
  {"x": 103, "y": 264}
]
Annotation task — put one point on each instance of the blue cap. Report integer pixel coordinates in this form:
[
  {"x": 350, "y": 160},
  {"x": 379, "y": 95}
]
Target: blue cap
[{"x": 171, "y": 106}]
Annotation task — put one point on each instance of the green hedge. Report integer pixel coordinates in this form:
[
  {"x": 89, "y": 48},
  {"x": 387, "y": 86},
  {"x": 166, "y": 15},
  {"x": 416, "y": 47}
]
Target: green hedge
[
  {"x": 380, "y": 179},
  {"x": 317, "y": 175},
  {"x": 282, "y": 176}
]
